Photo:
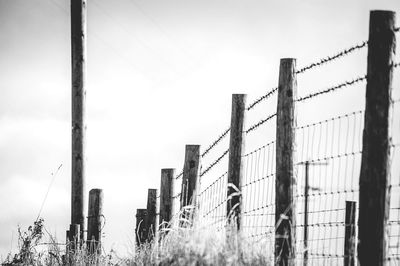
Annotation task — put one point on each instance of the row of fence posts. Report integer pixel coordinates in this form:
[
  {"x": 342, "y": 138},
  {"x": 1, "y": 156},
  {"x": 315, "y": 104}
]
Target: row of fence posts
[
  {"x": 374, "y": 175},
  {"x": 75, "y": 236}
]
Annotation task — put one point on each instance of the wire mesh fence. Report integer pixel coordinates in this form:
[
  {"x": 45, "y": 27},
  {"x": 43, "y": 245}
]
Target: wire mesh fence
[{"x": 328, "y": 157}]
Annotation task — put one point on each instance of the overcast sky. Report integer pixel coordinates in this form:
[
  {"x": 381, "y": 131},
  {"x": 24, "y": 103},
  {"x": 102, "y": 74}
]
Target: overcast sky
[{"x": 160, "y": 75}]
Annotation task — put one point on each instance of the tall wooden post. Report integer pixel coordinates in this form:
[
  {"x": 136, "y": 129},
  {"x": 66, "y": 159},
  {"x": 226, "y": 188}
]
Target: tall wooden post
[
  {"x": 140, "y": 230},
  {"x": 166, "y": 194},
  {"x": 78, "y": 53},
  {"x": 191, "y": 171},
  {"x": 375, "y": 167},
  {"x": 235, "y": 164},
  {"x": 350, "y": 234},
  {"x": 151, "y": 214},
  {"x": 95, "y": 215},
  {"x": 285, "y": 232}
]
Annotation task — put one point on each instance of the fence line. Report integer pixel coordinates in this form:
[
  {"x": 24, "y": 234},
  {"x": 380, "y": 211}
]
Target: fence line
[{"x": 326, "y": 172}]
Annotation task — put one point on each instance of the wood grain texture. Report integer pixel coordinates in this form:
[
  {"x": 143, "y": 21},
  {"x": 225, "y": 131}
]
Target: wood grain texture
[
  {"x": 166, "y": 194},
  {"x": 236, "y": 152},
  {"x": 78, "y": 64},
  {"x": 285, "y": 185},
  {"x": 374, "y": 176},
  {"x": 151, "y": 213},
  {"x": 95, "y": 216},
  {"x": 190, "y": 178},
  {"x": 141, "y": 230}
]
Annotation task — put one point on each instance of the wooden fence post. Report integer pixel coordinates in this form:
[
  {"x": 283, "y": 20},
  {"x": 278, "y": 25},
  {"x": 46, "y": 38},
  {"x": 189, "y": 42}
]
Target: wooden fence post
[
  {"x": 350, "y": 234},
  {"x": 375, "y": 166},
  {"x": 67, "y": 243},
  {"x": 151, "y": 214},
  {"x": 78, "y": 53},
  {"x": 74, "y": 236},
  {"x": 166, "y": 194},
  {"x": 141, "y": 231},
  {"x": 190, "y": 178},
  {"x": 285, "y": 232},
  {"x": 95, "y": 215},
  {"x": 235, "y": 164}
]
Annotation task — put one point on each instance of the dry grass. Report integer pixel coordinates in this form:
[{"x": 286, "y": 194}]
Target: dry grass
[
  {"x": 174, "y": 245},
  {"x": 201, "y": 246}
]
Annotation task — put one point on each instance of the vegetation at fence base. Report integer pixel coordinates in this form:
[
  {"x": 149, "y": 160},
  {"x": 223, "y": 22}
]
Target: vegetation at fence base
[
  {"x": 32, "y": 251},
  {"x": 186, "y": 245},
  {"x": 27, "y": 241},
  {"x": 201, "y": 246}
]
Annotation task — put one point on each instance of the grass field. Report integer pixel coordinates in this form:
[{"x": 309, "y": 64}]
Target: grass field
[{"x": 187, "y": 245}]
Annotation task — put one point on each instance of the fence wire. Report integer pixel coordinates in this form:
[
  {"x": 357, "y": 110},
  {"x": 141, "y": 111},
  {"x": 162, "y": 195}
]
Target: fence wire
[{"x": 328, "y": 156}]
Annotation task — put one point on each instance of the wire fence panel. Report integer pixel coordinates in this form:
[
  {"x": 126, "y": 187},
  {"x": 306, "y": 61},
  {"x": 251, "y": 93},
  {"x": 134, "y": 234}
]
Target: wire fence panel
[
  {"x": 329, "y": 156},
  {"x": 258, "y": 195},
  {"x": 212, "y": 205},
  {"x": 327, "y": 167}
]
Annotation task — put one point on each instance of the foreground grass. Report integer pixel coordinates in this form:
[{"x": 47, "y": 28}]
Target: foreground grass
[
  {"x": 201, "y": 246},
  {"x": 187, "y": 245}
]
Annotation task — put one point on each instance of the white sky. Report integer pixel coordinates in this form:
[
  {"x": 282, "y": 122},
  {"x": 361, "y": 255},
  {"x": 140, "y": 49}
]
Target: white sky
[{"x": 160, "y": 75}]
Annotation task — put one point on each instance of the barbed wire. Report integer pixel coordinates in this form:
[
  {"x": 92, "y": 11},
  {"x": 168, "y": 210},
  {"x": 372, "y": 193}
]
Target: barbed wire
[
  {"x": 179, "y": 175},
  {"x": 214, "y": 143},
  {"x": 262, "y": 98},
  {"x": 259, "y": 123},
  {"x": 259, "y": 208},
  {"x": 334, "y": 88},
  {"x": 324, "y": 255},
  {"x": 331, "y": 58},
  {"x": 214, "y": 163}
]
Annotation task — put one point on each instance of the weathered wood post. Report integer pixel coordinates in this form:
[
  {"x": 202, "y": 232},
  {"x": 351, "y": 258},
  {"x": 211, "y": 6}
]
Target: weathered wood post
[
  {"x": 236, "y": 152},
  {"x": 375, "y": 168},
  {"x": 151, "y": 214},
  {"x": 350, "y": 234},
  {"x": 74, "y": 236},
  {"x": 78, "y": 53},
  {"x": 190, "y": 179},
  {"x": 141, "y": 231},
  {"x": 285, "y": 232},
  {"x": 95, "y": 215},
  {"x": 67, "y": 244},
  {"x": 166, "y": 194}
]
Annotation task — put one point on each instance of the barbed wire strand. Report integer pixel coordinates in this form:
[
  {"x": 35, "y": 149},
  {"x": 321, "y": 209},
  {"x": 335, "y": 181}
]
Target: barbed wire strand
[
  {"x": 332, "y": 89},
  {"x": 262, "y": 98},
  {"x": 214, "y": 143},
  {"x": 331, "y": 58}
]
